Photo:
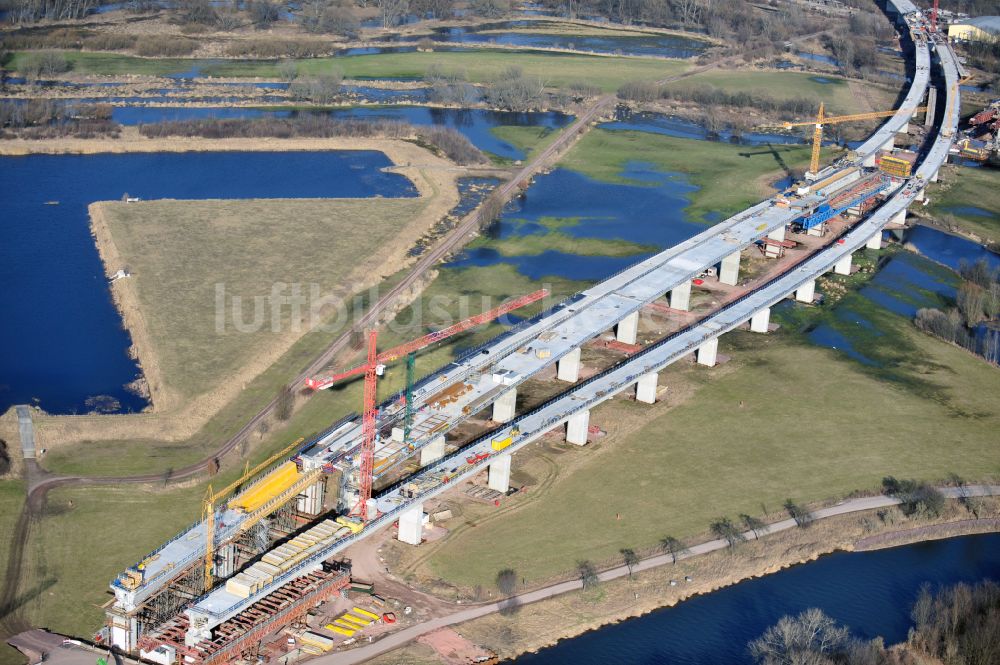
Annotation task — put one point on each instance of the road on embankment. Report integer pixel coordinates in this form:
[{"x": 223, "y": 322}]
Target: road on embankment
[{"x": 403, "y": 637}]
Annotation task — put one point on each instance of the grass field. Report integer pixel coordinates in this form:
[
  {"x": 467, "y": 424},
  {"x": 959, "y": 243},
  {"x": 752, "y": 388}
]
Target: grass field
[
  {"x": 180, "y": 250},
  {"x": 781, "y": 420},
  {"x": 87, "y": 536},
  {"x": 728, "y": 176},
  {"x": 969, "y": 199},
  {"x": 11, "y": 499},
  {"x": 531, "y": 140},
  {"x": 781, "y": 85},
  {"x": 479, "y": 65}
]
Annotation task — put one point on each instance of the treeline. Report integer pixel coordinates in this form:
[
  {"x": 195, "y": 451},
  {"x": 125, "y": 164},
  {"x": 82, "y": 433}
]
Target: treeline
[
  {"x": 448, "y": 141},
  {"x": 44, "y": 119},
  {"x": 977, "y": 300},
  {"x": 707, "y": 96},
  {"x": 958, "y": 625},
  {"x": 28, "y": 11}
]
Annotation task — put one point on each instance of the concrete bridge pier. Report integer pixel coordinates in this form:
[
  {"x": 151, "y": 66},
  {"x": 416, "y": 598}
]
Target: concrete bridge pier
[
  {"x": 729, "y": 269},
  {"x": 500, "y": 473},
  {"x": 310, "y": 502},
  {"x": 759, "y": 322},
  {"x": 899, "y": 218},
  {"x": 931, "y": 104},
  {"x": 875, "y": 242},
  {"x": 577, "y": 427},
  {"x": 680, "y": 296},
  {"x": 645, "y": 388},
  {"x": 568, "y": 367},
  {"x": 628, "y": 328},
  {"x": 777, "y": 234},
  {"x": 708, "y": 352},
  {"x": 434, "y": 450},
  {"x": 225, "y": 561},
  {"x": 411, "y": 525},
  {"x": 806, "y": 292},
  {"x": 503, "y": 408},
  {"x": 843, "y": 266}
]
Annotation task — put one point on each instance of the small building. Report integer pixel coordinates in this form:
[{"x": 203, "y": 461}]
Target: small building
[{"x": 979, "y": 29}]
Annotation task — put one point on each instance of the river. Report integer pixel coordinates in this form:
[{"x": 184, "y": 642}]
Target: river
[{"x": 870, "y": 592}]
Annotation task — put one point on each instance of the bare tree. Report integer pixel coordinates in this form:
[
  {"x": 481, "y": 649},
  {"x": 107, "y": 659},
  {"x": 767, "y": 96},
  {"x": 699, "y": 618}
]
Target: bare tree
[
  {"x": 630, "y": 558},
  {"x": 793, "y": 639},
  {"x": 507, "y": 581},
  {"x": 393, "y": 11},
  {"x": 751, "y": 523},
  {"x": 801, "y": 516},
  {"x": 286, "y": 402},
  {"x": 588, "y": 574},
  {"x": 724, "y": 528},
  {"x": 673, "y": 547}
]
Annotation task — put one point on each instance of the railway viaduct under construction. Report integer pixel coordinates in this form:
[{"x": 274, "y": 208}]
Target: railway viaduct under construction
[{"x": 272, "y": 551}]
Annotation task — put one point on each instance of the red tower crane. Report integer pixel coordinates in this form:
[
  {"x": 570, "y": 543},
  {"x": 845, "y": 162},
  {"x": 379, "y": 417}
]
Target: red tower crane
[
  {"x": 371, "y": 369},
  {"x": 934, "y": 16},
  {"x": 319, "y": 383}
]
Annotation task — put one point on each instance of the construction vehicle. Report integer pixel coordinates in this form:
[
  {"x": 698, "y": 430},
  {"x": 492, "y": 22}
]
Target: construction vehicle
[
  {"x": 500, "y": 444},
  {"x": 375, "y": 367},
  {"x": 822, "y": 119},
  {"x": 897, "y": 163}
]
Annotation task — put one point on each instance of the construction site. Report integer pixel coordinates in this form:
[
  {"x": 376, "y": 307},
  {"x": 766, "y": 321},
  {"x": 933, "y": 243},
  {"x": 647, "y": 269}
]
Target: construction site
[{"x": 265, "y": 572}]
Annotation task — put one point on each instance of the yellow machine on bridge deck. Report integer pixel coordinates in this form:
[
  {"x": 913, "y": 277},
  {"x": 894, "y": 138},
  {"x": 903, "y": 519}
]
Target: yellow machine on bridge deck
[{"x": 275, "y": 483}]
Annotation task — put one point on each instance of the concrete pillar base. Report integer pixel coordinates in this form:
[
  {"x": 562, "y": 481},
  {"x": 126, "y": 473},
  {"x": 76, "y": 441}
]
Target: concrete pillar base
[
  {"x": 628, "y": 328},
  {"x": 806, "y": 292},
  {"x": 680, "y": 296},
  {"x": 875, "y": 242},
  {"x": 645, "y": 388},
  {"x": 568, "y": 367},
  {"x": 411, "y": 525},
  {"x": 817, "y": 231},
  {"x": 504, "y": 407},
  {"x": 433, "y": 451},
  {"x": 759, "y": 322},
  {"x": 708, "y": 352},
  {"x": 729, "y": 269},
  {"x": 577, "y": 428},
  {"x": 500, "y": 473},
  {"x": 843, "y": 266},
  {"x": 777, "y": 234},
  {"x": 899, "y": 218}
]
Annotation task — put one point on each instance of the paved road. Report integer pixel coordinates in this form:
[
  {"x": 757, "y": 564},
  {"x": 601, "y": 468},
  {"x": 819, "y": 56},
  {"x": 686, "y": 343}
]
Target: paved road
[
  {"x": 396, "y": 640},
  {"x": 27, "y": 431}
]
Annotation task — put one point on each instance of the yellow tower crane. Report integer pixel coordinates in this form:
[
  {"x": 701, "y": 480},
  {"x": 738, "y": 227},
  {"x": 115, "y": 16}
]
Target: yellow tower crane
[
  {"x": 208, "y": 506},
  {"x": 822, "y": 119}
]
